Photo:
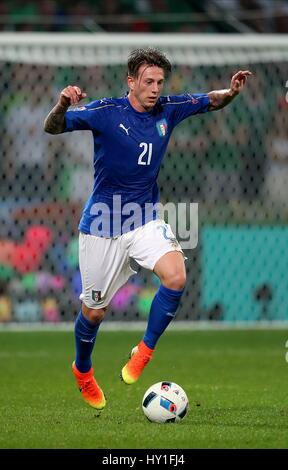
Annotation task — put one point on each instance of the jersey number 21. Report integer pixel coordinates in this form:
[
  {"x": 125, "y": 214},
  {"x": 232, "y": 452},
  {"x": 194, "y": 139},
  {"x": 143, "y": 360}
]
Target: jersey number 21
[{"x": 146, "y": 154}]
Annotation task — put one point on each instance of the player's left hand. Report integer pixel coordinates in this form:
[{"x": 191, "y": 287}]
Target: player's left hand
[{"x": 238, "y": 81}]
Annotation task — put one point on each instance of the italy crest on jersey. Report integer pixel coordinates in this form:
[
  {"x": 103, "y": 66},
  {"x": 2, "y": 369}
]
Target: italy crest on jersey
[{"x": 162, "y": 127}]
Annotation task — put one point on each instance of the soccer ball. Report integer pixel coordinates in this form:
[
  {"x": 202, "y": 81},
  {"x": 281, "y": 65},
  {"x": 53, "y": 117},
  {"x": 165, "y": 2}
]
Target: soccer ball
[{"x": 165, "y": 402}]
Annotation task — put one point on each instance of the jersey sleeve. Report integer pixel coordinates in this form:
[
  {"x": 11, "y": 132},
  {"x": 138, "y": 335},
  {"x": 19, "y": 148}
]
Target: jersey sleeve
[
  {"x": 183, "y": 106},
  {"x": 90, "y": 117}
]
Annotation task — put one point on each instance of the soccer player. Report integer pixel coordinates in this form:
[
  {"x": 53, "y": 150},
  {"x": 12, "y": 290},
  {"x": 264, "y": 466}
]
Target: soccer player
[{"x": 130, "y": 136}]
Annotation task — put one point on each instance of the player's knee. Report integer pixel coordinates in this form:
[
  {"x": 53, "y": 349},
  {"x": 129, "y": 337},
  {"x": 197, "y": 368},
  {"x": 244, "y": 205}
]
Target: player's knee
[
  {"x": 175, "y": 281},
  {"x": 94, "y": 315}
]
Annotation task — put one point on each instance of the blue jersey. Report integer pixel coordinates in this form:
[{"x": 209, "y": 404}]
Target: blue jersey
[{"x": 128, "y": 150}]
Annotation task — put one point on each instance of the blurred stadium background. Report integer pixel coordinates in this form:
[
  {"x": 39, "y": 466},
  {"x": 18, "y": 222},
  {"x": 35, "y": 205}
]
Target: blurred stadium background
[{"x": 234, "y": 163}]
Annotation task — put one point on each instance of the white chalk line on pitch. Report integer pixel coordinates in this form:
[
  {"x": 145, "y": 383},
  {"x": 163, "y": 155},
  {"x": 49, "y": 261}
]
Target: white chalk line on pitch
[{"x": 141, "y": 326}]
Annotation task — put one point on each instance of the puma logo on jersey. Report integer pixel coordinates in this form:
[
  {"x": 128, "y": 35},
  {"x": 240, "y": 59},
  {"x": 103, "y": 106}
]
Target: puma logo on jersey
[{"x": 124, "y": 128}]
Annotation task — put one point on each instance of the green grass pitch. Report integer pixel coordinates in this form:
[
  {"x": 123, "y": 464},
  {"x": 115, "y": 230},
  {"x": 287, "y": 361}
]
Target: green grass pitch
[{"x": 236, "y": 382}]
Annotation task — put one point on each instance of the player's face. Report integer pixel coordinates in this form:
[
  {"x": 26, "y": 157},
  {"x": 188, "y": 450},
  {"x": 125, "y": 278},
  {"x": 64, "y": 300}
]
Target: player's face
[{"x": 146, "y": 88}]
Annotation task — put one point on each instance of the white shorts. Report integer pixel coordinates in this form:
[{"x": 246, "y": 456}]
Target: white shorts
[{"x": 105, "y": 262}]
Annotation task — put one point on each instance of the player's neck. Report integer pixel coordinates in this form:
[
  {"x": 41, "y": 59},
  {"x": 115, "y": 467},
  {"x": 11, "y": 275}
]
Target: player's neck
[{"x": 136, "y": 105}]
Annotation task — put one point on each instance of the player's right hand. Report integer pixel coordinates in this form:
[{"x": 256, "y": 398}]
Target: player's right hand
[{"x": 71, "y": 95}]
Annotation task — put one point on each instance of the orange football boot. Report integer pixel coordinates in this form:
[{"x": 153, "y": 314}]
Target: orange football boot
[
  {"x": 139, "y": 358},
  {"x": 90, "y": 390}
]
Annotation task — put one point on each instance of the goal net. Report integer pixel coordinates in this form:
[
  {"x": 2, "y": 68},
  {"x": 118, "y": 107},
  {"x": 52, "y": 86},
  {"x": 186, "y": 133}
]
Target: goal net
[{"x": 233, "y": 163}]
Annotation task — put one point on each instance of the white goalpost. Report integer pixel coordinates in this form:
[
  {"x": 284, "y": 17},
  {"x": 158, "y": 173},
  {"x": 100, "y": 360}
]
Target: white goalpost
[{"x": 112, "y": 49}]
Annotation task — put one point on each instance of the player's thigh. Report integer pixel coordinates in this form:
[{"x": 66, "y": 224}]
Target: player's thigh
[
  {"x": 152, "y": 242},
  {"x": 104, "y": 267}
]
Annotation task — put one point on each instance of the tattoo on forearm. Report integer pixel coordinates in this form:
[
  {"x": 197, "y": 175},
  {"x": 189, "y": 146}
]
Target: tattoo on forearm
[
  {"x": 55, "y": 121},
  {"x": 219, "y": 99}
]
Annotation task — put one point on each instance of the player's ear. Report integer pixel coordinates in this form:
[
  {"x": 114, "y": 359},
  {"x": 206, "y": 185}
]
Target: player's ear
[{"x": 130, "y": 82}]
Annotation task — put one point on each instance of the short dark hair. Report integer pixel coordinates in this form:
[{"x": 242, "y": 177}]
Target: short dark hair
[{"x": 149, "y": 56}]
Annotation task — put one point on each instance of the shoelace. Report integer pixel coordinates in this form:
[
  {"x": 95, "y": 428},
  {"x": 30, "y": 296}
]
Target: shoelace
[
  {"x": 139, "y": 360},
  {"x": 90, "y": 387}
]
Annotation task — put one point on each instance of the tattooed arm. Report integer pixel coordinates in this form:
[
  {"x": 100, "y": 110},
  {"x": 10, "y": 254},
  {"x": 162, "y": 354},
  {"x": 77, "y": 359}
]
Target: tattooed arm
[
  {"x": 55, "y": 121},
  {"x": 220, "y": 98}
]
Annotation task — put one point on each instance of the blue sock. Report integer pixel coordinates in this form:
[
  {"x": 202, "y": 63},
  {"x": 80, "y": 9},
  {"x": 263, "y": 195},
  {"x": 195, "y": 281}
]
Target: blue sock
[
  {"x": 162, "y": 311},
  {"x": 85, "y": 334}
]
